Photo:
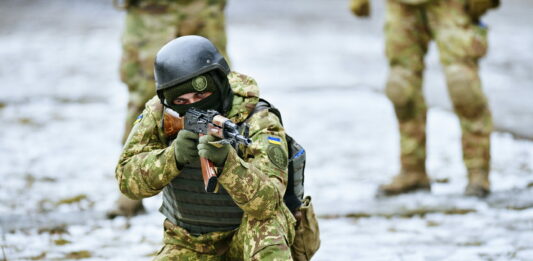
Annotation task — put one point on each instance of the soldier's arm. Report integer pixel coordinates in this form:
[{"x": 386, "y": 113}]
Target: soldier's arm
[
  {"x": 146, "y": 164},
  {"x": 258, "y": 182}
]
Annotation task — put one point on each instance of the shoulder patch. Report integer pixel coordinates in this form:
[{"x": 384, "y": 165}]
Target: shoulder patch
[
  {"x": 138, "y": 119},
  {"x": 277, "y": 156}
]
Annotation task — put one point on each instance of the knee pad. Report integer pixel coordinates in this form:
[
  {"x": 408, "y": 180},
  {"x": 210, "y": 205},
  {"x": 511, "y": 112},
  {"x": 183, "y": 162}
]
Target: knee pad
[
  {"x": 402, "y": 85},
  {"x": 465, "y": 91}
]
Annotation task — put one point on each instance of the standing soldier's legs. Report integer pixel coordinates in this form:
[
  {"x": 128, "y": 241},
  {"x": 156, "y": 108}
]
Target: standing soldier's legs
[
  {"x": 407, "y": 39},
  {"x": 471, "y": 106},
  {"x": 461, "y": 43},
  {"x": 215, "y": 26},
  {"x": 145, "y": 31},
  {"x": 205, "y": 18}
]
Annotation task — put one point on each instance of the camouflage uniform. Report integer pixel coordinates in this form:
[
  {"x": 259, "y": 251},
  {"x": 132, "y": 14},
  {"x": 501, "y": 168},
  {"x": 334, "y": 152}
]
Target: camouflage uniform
[
  {"x": 409, "y": 28},
  {"x": 255, "y": 181},
  {"x": 152, "y": 23}
]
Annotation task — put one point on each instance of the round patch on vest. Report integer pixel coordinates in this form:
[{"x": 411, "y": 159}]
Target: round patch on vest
[
  {"x": 277, "y": 156},
  {"x": 199, "y": 83}
]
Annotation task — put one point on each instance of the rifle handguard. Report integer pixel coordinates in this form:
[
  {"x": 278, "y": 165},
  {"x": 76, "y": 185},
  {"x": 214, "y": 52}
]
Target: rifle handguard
[{"x": 209, "y": 175}]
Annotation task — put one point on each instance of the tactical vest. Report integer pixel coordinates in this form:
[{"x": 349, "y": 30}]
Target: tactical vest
[{"x": 186, "y": 204}]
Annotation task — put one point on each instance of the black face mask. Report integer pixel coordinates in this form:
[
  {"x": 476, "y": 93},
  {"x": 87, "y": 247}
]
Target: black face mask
[
  {"x": 202, "y": 83},
  {"x": 212, "y": 102}
]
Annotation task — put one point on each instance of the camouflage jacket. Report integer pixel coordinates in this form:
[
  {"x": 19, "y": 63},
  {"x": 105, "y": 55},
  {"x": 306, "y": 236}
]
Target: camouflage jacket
[{"x": 256, "y": 182}]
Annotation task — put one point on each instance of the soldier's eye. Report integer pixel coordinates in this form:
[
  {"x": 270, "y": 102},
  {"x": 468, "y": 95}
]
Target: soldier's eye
[{"x": 180, "y": 101}]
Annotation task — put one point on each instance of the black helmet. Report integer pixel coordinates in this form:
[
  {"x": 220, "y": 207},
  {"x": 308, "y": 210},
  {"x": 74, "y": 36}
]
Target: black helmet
[{"x": 186, "y": 57}]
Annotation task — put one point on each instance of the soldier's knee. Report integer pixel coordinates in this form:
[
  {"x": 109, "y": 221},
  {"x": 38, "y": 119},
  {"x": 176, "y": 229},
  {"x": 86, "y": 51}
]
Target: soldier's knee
[
  {"x": 465, "y": 90},
  {"x": 269, "y": 239},
  {"x": 273, "y": 252},
  {"x": 402, "y": 85}
]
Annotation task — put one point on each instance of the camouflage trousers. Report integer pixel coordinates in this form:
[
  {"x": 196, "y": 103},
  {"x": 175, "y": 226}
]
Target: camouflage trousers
[
  {"x": 268, "y": 239},
  {"x": 148, "y": 27},
  {"x": 408, "y": 30}
]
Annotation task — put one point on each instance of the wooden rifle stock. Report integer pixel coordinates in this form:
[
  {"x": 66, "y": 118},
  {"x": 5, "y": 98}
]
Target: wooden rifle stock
[
  {"x": 209, "y": 174},
  {"x": 172, "y": 124}
]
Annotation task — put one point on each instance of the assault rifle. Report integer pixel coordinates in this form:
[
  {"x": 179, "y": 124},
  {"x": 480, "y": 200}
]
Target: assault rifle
[{"x": 203, "y": 123}]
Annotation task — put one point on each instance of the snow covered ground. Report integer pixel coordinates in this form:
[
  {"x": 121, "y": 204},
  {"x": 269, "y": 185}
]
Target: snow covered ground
[{"x": 62, "y": 109}]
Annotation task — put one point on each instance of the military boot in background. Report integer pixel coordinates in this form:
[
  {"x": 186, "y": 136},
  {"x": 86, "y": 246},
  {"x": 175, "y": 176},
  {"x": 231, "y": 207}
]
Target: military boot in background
[
  {"x": 126, "y": 207},
  {"x": 405, "y": 182},
  {"x": 478, "y": 184}
]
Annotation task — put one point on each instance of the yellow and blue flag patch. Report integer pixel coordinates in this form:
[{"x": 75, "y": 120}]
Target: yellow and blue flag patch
[
  {"x": 274, "y": 140},
  {"x": 139, "y": 118}
]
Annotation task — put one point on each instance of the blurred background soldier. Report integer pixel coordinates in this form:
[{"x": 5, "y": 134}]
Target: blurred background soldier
[
  {"x": 462, "y": 41},
  {"x": 149, "y": 25}
]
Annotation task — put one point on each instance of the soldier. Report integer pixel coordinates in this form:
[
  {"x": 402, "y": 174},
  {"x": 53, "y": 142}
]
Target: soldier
[
  {"x": 149, "y": 25},
  {"x": 462, "y": 41},
  {"x": 247, "y": 219}
]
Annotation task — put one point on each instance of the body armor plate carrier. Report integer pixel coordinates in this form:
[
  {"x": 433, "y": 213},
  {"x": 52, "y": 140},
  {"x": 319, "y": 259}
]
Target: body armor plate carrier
[{"x": 186, "y": 204}]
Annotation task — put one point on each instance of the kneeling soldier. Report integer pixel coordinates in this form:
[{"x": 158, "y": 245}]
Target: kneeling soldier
[{"x": 247, "y": 218}]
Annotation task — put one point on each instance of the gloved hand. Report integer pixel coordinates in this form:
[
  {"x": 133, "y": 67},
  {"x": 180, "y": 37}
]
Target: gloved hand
[
  {"x": 185, "y": 147},
  {"x": 360, "y": 8},
  {"x": 217, "y": 152}
]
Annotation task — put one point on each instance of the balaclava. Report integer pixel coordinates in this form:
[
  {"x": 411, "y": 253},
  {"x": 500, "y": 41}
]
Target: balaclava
[{"x": 202, "y": 83}]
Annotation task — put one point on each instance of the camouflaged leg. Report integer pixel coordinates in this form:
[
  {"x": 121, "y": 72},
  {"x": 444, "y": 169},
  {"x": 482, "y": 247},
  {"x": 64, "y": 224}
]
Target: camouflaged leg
[
  {"x": 205, "y": 18},
  {"x": 268, "y": 239},
  {"x": 404, "y": 90},
  {"x": 180, "y": 244},
  {"x": 472, "y": 109},
  {"x": 407, "y": 39},
  {"x": 406, "y": 35},
  {"x": 458, "y": 39},
  {"x": 461, "y": 43},
  {"x": 178, "y": 253}
]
